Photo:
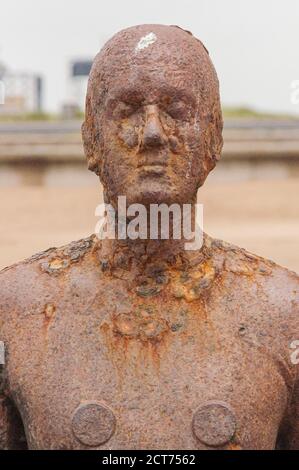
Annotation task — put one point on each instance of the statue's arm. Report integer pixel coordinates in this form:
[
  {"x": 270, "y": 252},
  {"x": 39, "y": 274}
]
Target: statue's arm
[
  {"x": 12, "y": 434},
  {"x": 11, "y": 428},
  {"x": 5, "y": 411},
  {"x": 289, "y": 437},
  {"x": 287, "y": 291},
  {"x": 292, "y": 427},
  {"x": 5, "y": 424}
]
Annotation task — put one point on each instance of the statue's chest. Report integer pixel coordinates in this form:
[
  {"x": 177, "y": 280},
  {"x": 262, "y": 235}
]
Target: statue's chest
[{"x": 161, "y": 376}]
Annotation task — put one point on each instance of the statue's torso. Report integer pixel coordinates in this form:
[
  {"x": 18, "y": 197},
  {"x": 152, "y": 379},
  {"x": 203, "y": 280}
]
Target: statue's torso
[{"x": 95, "y": 363}]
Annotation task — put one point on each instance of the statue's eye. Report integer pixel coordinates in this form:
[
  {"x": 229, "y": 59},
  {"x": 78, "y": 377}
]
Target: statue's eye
[
  {"x": 123, "y": 110},
  {"x": 179, "y": 110}
]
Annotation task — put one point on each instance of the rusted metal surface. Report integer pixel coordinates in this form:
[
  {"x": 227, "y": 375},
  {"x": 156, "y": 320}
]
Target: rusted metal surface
[{"x": 124, "y": 344}]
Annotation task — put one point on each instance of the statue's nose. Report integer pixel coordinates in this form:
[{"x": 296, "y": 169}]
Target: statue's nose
[{"x": 153, "y": 133}]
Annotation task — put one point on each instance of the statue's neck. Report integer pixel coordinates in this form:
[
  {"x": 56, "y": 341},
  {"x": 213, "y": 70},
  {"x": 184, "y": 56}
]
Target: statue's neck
[{"x": 125, "y": 250}]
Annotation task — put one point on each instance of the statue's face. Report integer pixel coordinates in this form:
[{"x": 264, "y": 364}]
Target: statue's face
[
  {"x": 151, "y": 135},
  {"x": 153, "y": 129}
]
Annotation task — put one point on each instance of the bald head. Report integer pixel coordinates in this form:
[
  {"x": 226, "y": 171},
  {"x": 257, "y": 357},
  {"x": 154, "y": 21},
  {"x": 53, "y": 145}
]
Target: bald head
[
  {"x": 163, "y": 48},
  {"x": 166, "y": 50},
  {"x": 154, "y": 65}
]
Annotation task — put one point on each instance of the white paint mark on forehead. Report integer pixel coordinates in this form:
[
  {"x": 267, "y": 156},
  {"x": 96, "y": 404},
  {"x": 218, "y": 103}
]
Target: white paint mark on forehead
[{"x": 146, "y": 41}]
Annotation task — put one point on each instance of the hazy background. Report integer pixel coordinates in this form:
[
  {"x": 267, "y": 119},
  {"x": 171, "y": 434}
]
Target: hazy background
[
  {"x": 47, "y": 196},
  {"x": 254, "y": 45}
]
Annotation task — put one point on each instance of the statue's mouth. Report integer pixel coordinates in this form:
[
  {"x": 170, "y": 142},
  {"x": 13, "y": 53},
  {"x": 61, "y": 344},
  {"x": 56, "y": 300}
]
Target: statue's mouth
[
  {"x": 153, "y": 169},
  {"x": 155, "y": 159}
]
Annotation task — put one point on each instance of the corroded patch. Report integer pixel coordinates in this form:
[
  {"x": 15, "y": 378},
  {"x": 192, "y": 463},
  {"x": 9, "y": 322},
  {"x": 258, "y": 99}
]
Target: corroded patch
[
  {"x": 239, "y": 261},
  {"x": 93, "y": 424},
  {"x": 76, "y": 250},
  {"x": 142, "y": 326},
  {"x": 49, "y": 311},
  {"x": 62, "y": 258},
  {"x": 55, "y": 265},
  {"x": 191, "y": 285},
  {"x": 147, "y": 290}
]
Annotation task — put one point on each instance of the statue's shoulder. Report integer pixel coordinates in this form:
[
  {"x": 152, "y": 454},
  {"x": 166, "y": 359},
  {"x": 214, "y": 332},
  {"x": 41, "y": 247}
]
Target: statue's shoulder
[
  {"x": 242, "y": 269},
  {"x": 23, "y": 283},
  {"x": 239, "y": 261},
  {"x": 54, "y": 259}
]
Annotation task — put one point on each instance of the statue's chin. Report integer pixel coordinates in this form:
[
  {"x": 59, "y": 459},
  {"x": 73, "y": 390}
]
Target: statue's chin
[
  {"x": 153, "y": 197},
  {"x": 153, "y": 192}
]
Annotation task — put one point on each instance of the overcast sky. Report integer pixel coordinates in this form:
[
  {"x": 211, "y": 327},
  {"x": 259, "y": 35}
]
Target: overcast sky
[{"x": 254, "y": 44}]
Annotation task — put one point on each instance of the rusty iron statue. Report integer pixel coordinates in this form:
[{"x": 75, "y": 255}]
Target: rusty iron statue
[{"x": 141, "y": 344}]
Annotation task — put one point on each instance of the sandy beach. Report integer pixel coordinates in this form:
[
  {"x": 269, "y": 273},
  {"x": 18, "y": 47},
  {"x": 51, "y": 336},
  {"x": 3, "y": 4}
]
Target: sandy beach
[{"x": 261, "y": 216}]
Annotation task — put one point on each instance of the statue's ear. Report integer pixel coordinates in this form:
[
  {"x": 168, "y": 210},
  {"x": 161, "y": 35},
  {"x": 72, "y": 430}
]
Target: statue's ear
[
  {"x": 214, "y": 137},
  {"x": 91, "y": 139}
]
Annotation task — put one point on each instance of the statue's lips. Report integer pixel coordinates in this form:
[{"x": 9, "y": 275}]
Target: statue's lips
[
  {"x": 157, "y": 169},
  {"x": 153, "y": 162}
]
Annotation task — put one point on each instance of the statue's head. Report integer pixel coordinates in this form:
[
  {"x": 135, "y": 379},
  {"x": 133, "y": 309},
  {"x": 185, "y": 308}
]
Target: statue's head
[{"x": 153, "y": 125}]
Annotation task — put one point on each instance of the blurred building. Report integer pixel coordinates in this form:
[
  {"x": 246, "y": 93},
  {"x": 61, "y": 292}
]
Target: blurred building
[
  {"x": 22, "y": 92},
  {"x": 79, "y": 71}
]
